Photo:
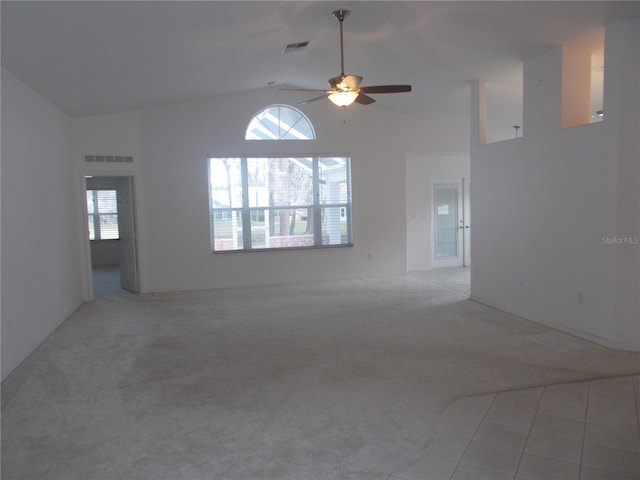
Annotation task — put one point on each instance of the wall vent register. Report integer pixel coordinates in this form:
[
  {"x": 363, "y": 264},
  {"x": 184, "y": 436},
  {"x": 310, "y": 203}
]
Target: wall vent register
[{"x": 109, "y": 158}]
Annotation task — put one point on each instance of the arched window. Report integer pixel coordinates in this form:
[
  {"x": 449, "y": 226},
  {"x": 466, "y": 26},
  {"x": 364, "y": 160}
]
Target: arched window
[{"x": 280, "y": 122}]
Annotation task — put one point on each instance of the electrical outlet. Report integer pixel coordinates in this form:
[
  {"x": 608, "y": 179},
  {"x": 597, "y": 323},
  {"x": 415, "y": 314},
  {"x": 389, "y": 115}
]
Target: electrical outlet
[
  {"x": 580, "y": 298},
  {"x": 521, "y": 283}
]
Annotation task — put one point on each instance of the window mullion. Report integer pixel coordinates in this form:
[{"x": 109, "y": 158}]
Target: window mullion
[
  {"x": 96, "y": 216},
  {"x": 317, "y": 211},
  {"x": 97, "y": 225},
  {"x": 349, "y": 206},
  {"x": 246, "y": 216}
]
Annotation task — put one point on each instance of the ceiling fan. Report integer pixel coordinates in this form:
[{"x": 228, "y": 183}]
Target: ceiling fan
[{"x": 346, "y": 89}]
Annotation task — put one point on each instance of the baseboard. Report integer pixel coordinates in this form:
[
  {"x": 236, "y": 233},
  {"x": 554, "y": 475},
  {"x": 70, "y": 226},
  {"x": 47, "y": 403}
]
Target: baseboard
[{"x": 605, "y": 342}]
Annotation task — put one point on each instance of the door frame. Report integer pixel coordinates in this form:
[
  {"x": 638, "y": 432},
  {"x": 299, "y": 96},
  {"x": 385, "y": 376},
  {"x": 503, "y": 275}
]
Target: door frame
[
  {"x": 466, "y": 219},
  {"x": 88, "y": 270}
]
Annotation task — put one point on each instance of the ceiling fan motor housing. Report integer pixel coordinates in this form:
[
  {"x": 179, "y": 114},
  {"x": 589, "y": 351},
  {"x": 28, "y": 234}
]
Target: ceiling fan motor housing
[{"x": 341, "y": 14}]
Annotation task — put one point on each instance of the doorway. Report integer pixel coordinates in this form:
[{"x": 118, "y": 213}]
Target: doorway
[
  {"x": 451, "y": 228},
  {"x": 110, "y": 207}
]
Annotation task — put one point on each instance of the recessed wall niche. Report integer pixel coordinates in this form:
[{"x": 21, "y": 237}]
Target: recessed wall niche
[
  {"x": 597, "y": 85},
  {"x": 504, "y": 108},
  {"x": 583, "y": 83}
]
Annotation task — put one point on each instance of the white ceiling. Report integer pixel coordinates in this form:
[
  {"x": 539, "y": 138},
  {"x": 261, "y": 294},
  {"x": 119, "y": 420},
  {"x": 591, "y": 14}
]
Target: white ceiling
[{"x": 92, "y": 57}]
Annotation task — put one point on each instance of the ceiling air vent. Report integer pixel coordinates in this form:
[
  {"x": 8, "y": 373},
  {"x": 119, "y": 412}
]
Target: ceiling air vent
[{"x": 292, "y": 47}]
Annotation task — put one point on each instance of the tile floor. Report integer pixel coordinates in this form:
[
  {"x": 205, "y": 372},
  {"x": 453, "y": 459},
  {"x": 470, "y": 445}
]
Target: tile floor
[{"x": 576, "y": 431}]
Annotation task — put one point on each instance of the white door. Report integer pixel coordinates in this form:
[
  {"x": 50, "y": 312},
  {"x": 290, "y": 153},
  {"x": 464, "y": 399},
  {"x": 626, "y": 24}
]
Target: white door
[
  {"x": 451, "y": 230},
  {"x": 127, "y": 227}
]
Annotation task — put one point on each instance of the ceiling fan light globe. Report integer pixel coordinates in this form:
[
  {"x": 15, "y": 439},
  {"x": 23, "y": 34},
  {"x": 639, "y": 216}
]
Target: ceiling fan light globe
[{"x": 343, "y": 99}]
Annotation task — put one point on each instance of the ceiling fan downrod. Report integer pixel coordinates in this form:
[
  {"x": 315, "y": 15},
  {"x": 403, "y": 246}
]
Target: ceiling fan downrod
[{"x": 341, "y": 15}]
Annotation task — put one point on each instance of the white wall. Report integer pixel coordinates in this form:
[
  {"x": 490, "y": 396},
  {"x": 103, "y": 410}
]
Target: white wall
[
  {"x": 105, "y": 253},
  {"x": 174, "y": 143},
  {"x": 622, "y": 102},
  {"x": 423, "y": 169},
  {"x": 543, "y": 204},
  {"x": 40, "y": 231}
]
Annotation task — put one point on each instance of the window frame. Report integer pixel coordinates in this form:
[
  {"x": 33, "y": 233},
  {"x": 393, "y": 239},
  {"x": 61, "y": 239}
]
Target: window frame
[
  {"x": 245, "y": 211},
  {"x": 280, "y": 137}
]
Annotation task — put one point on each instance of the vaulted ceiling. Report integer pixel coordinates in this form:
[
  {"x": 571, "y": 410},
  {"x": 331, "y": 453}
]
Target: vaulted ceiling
[{"x": 91, "y": 57}]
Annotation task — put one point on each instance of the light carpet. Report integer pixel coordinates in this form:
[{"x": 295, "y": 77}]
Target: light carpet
[{"x": 320, "y": 380}]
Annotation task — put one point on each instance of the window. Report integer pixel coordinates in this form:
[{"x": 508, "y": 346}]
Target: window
[
  {"x": 280, "y": 122},
  {"x": 102, "y": 207},
  {"x": 279, "y": 202}
]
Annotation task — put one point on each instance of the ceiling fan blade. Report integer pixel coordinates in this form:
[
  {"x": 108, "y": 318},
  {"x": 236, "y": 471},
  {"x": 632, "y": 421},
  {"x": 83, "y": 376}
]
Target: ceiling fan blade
[
  {"x": 303, "y": 89},
  {"x": 315, "y": 99},
  {"x": 363, "y": 99},
  {"x": 386, "y": 89}
]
